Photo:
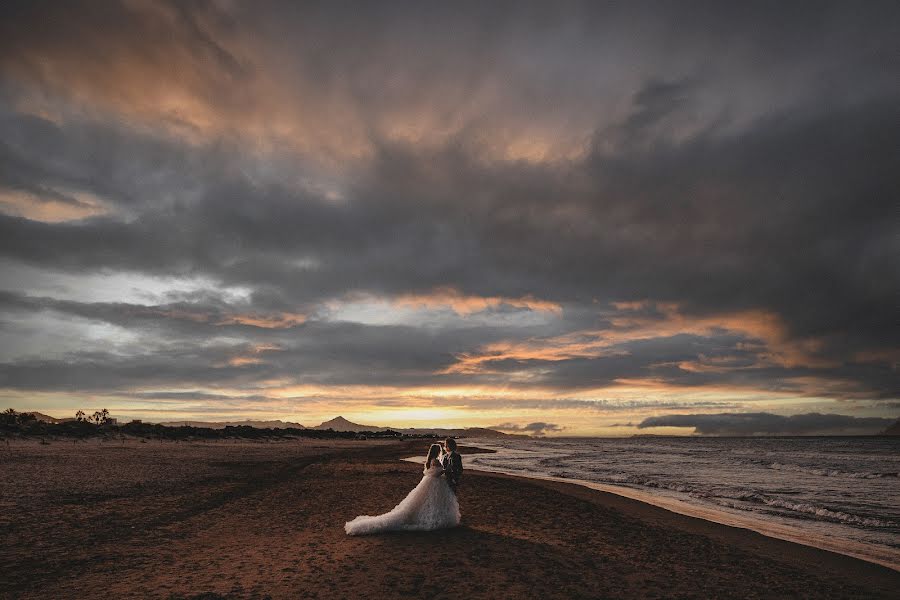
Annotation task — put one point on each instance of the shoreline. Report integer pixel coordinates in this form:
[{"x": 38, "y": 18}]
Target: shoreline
[
  {"x": 787, "y": 533},
  {"x": 744, "y": 537}
]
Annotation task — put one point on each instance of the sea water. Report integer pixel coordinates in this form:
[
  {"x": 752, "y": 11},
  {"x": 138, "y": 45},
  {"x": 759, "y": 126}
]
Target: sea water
[{"x": 837, "y": 493}]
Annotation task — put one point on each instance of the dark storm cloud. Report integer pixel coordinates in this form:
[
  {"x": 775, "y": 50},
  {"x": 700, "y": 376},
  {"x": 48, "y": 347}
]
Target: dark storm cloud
[
  {"x": 735, "y": 159},
  {"x": 217, "y": 344},
  {"x": 101, "y": 372},
  {"x": 815, "y": 256},
  {"x": 769, "y": 424},
  {"x": 266, "y": 345},
  {"x": 208, "y": 315}
]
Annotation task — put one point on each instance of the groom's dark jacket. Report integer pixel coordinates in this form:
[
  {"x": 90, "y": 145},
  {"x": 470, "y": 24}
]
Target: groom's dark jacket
[{"x": 452, "y": 464}]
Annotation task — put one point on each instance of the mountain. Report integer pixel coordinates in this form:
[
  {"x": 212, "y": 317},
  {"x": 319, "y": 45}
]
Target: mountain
[
  {"x": 48, "y": 418},
  {"x": 277, "y": 424},
  {"x": 893, "y": 429},
  {"x": 342, "y": 424}
]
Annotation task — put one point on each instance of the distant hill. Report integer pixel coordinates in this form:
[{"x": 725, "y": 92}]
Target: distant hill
[
  {"x": 48, "y": 418},
  {"x": 893, "y": 429},
  {"x": 277, "y": 424},
  {"x": 342, "y": 424}
]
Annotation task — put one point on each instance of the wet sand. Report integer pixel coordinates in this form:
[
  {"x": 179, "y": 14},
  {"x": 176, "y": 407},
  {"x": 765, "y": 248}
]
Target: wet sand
[{"x": 256, "y": 520}]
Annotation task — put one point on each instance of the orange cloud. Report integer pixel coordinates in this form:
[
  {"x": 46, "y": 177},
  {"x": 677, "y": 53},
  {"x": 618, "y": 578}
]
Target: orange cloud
[
  {"x": 283, "y": 320},
  {"x": 768, "y": 327},
  {"x": 254, "y": 357},
  {"x": 627, "y": 327},
  {"x": 49, "y": 209},
  {"x": 240, "y": 361},
  {"x": 464, "y": 305},
  {"x": 277, "y": 321},
  {"x": 188, "y": 73}
]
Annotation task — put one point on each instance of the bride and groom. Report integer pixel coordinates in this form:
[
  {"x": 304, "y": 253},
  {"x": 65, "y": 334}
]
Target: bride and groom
[{"x": 430, "y": 505}]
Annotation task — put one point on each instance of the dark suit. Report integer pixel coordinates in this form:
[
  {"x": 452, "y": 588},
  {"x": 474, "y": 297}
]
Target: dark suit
[{"x": 452, "y": 465}]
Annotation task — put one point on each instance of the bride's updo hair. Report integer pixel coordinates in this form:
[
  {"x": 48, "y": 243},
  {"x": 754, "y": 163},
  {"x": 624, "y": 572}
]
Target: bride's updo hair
[{"x": 432, "y": 454}]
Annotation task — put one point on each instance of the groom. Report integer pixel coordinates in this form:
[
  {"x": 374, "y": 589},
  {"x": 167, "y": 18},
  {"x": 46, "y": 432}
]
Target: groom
[{"x": 451, "y": 463}]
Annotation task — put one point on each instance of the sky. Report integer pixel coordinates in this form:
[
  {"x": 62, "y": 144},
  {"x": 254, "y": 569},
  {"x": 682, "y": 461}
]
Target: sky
[{"x": 556, "y": 218}]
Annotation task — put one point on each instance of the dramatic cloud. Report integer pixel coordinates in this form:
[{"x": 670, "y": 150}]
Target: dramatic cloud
[
  {"x": 492, "y": 212},
  {"x": 769, "y": 424}
]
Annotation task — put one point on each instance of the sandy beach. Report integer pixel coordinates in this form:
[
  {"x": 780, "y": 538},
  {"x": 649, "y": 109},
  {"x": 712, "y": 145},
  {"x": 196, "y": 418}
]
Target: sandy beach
[{"x": 265, "y": 519}]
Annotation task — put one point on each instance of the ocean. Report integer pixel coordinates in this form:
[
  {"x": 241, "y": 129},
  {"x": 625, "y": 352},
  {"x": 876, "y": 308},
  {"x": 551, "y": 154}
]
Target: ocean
[{"x": 837, "y": 493}]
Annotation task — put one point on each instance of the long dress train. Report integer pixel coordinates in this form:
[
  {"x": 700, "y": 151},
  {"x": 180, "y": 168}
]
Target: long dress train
[{"x": 430, "y": 505}]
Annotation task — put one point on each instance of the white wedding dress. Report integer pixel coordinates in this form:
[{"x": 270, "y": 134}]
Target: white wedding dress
[{"x": 430, "y": 505}]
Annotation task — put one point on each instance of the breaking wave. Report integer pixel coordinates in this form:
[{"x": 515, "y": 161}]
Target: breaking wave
[{"x": 831, "y": 472}]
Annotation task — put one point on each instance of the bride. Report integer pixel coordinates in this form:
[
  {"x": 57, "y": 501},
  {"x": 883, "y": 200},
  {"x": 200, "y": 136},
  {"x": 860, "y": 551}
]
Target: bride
[{"x": 430, "y": 505}]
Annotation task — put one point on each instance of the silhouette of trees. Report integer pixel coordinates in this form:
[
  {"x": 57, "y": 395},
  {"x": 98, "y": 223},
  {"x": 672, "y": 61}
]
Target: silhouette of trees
[
  {"x": 100, "y": 417},
  {"x": 20, "y": 422},
  {"x": 11, "y": 417},
  {"x": 100, "y": 424}
]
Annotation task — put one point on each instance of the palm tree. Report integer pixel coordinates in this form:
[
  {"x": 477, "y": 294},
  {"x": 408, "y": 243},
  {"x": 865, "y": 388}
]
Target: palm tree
[{"x": 8, "y": 416}]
